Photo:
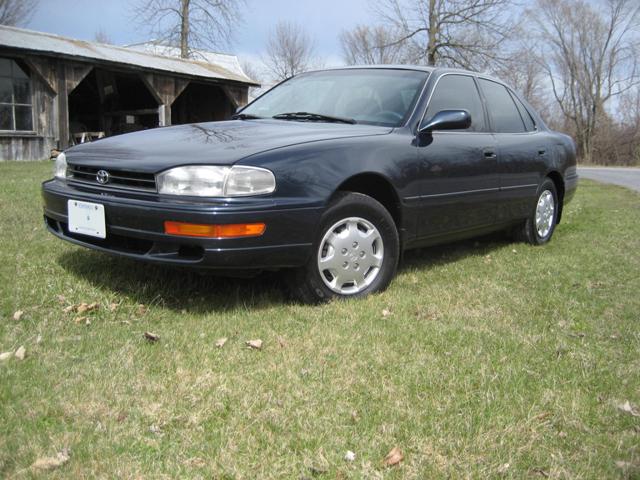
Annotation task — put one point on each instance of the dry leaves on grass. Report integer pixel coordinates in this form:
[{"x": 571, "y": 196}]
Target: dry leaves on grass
[
  {"x": 349, "y": 456},
  {"x": 151, "y": 337},
  {"x": 626, "y": 407},
  {"x": 51, "y": 463},
  {"x": 113, "y": 307},
  {"x": 541, "y": 472},
  {"x": 394, "y": 457},
  {"x": 142, "y": 309},
  {"x": 220, "y": 342},
  {"x": 82, "y": 307},
  {"x": 18, "y": 315},
  {"x": 254, "y": 344},
  {"x": 386, "y": 313},
  {"x": 5, "y": 356},
  {"x": 21, "y": 352}
]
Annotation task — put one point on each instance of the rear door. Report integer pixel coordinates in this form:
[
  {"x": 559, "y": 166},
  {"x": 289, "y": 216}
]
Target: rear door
[
  {"x": 522, "y": 150},
  {"x": 457, "y": 179}
]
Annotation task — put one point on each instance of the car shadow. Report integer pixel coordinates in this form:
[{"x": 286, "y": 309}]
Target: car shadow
[
  {"x": 173, "y": 287},
  {"x": 451, "y": 252},
  {"x": 203, "y": 292}
]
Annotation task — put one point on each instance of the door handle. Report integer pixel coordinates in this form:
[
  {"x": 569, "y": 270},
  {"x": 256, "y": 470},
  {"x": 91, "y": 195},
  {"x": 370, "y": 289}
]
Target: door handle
[
  {"x": 541, "y": 152},
  {"x": 490, "y": 154}
]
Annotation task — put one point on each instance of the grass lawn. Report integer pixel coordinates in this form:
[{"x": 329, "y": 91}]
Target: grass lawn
[{"x": 491, "y": 359}]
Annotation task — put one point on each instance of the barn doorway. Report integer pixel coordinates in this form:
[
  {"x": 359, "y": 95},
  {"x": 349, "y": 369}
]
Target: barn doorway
[
  {"x": 201, "y": 103},
  {"x": 109, "y": 103}
]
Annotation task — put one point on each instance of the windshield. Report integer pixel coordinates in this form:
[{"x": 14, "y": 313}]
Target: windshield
[{"x": 370, "y": 96}]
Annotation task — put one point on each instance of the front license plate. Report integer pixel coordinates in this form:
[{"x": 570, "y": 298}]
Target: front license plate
[{"x": 86, "y": 218}]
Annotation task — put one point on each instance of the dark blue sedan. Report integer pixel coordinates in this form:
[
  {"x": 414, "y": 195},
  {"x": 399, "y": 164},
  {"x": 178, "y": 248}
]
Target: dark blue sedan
[{"x": 330, "y": 175}]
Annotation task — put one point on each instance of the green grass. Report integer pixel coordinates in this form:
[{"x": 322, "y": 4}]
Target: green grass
[{"x": 493, "y": 353}]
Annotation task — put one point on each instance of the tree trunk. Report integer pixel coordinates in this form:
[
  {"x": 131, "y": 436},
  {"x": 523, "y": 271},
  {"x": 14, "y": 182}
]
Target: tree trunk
[
  {"x": 184, "y": 29},
  {"x": 431, "y": 46}
]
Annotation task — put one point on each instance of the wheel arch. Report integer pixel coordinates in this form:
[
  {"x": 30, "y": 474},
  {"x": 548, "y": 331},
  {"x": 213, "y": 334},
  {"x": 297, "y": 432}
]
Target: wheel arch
[{"x": 377, "y": 187}]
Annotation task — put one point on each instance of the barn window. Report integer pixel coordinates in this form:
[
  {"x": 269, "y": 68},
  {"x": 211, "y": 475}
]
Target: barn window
[{"x": 16, "y": 110}]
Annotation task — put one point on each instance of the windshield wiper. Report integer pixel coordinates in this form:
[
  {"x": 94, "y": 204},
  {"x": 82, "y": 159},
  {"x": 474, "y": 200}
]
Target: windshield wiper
[
  {"x": 245, "y": 116},
  {"x": 313, "y": 117}
]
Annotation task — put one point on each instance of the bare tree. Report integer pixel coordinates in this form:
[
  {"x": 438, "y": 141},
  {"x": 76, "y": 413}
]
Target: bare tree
[
  {"x": 254, "y": 73},
  {"x": 191, "y": 24},
  {"x": 101, "y": 36},
  {"x": 590, "y": 57},
  {"x": 461, "y": 33},
  {"x": 289, "y": 51},
  {"x": 365, "y": 45},
  {"x": 16, "y": 12},
  {"x": 250, "y": 69},
  {"x": 522, "y": 69}
]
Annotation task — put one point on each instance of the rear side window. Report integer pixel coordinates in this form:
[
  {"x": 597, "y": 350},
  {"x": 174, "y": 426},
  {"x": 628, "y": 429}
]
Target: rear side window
[
  {"x": 458, "y": 92},
  {"x": 504, "y": 115},
  {"x": 524, "y": 113}
]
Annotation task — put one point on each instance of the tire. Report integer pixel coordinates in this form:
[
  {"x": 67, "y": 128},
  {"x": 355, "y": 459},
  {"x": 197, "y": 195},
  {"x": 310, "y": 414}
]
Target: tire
[
  {"x": 538, "y": 228},
  {"x": 355, "y": 252}
]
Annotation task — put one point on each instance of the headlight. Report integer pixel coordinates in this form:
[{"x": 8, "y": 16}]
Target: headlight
[
  {"x": 210, "y": 181},
  {"x": 60, "y": 167}
]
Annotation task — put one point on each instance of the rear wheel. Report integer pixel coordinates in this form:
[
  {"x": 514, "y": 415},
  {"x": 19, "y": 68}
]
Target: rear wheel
[
  {"x": 539, "y": 227},
  {"x": 355, "y": 254}
]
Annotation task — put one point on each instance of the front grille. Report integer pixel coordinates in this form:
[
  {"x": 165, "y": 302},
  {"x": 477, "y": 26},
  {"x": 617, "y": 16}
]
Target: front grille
[{"x": 117, "y": 179}]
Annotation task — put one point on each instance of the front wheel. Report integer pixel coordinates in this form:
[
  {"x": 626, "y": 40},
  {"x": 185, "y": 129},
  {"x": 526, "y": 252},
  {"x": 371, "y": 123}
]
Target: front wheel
[
  {"x": 355, "y": 253},
  {"x": 539, "y": 227}
]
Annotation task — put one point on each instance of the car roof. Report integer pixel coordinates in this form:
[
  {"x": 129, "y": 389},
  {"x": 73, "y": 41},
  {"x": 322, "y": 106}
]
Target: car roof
[
  {"x": 380, "y": 67},
  {"x": 419, "y": 68}
]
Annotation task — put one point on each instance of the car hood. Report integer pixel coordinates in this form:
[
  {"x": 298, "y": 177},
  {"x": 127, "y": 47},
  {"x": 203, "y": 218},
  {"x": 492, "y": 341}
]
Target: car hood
[{"x": 214, "y": 143}]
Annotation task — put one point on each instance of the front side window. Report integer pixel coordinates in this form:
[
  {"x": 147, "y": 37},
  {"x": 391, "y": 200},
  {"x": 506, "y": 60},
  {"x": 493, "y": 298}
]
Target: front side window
[
  {"x": 370, "y": 96},
  {"x": 457, "y": 92},
  {"x": 16, "y": 110},
  {"x": 505, "y": 117}
]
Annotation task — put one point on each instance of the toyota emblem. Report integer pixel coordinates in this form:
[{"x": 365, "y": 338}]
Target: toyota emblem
[{"x": 102, "y": 177}]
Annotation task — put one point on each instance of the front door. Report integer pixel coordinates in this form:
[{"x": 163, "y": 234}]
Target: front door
[{"x": 457, "y": 181}]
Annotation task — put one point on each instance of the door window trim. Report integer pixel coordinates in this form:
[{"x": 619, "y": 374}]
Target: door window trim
[
  {"x": 482, "y": 102},
  {"x": 511, "y": 94}
]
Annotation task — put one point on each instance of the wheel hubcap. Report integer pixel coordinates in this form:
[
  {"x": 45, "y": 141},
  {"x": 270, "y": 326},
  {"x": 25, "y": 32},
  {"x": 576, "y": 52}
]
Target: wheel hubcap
[
  {"x": 350, "y": 255},
  {"x": 545, "y": 213}
]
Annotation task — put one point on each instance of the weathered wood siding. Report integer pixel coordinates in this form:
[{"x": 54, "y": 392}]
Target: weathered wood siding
[
  {"x": 53, "y": 79},
  {"x": 37, "y": 145}
]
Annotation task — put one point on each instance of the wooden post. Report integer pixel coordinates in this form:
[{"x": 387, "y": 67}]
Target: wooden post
[
  {"x": 63, "y": 108},
  {"x": 164, "y": 115}
]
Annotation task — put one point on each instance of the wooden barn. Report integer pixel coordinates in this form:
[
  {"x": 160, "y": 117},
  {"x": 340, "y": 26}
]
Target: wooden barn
[{"x": 56, "y": 91}]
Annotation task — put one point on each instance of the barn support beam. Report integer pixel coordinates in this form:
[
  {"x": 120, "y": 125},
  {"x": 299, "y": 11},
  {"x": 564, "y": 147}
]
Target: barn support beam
[
  {"x": 63, "y": 109},
  {"x": 165, "y": 90},
  {"x": 44, "y": 70},
  {"x": 239, "y": 97}
]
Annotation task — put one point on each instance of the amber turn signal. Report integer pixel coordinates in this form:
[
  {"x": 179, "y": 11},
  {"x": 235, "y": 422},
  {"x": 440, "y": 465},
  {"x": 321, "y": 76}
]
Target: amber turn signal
[{"x": 233, "y": 230}]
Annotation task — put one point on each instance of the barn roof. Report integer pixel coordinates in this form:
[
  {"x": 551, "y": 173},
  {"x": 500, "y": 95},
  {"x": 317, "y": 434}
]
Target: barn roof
[{"x": 55, "y": 45}]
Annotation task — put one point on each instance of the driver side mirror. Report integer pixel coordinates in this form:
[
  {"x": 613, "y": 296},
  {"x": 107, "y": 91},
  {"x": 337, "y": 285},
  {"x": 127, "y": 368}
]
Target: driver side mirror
[{"x": 447, "y": 120}]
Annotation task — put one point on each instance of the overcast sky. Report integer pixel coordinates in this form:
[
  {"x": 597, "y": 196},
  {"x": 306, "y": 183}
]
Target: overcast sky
[{"x": 324, "y": 19}]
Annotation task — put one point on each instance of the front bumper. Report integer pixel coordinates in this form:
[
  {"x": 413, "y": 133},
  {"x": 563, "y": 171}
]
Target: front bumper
[{"x": 135, "y": 229}]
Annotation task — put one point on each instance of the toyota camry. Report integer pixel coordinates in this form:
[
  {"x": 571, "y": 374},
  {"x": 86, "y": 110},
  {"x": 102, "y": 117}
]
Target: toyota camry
[{"x": 330, "y": 176}]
